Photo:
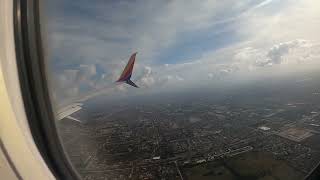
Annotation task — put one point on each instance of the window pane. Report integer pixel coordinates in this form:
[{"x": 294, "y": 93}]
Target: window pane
[{"x": 186, "y": 89}]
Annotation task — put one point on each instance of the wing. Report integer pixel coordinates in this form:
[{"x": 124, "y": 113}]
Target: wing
[
  {"x": 131, "y": 83},
  {"x": 127, "y": 72}
]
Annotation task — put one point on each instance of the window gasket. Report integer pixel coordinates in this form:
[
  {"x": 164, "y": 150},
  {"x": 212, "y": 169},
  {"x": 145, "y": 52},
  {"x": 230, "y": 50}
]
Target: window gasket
[{"x": 34, "y": 88}]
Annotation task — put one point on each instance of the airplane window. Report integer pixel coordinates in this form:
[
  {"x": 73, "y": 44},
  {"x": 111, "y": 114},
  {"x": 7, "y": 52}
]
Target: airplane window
[{"x": 186, "y": 89}]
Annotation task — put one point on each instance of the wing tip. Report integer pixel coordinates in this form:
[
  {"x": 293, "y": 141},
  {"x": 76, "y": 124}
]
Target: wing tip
[{"x": 134, "y": 54}]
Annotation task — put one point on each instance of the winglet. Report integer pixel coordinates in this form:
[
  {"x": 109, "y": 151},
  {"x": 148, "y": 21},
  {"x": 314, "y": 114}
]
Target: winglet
[
  {"x": 127, "y": 72},
  {"x": 131, "y": 83}
]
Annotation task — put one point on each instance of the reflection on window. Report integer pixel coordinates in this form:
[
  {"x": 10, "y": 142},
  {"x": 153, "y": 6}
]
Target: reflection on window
[{"x": 216, "y": 90}]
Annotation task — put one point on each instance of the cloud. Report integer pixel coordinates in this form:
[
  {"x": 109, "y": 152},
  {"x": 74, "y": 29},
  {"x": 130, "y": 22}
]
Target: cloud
[
  {"x": 291, "y": 52},
  {"x": 276, "y": 53},
  {"x": 103, "y": 31},
  {"x": 146, "y": 79},
  {"x": 180, "y": 44},
  {"x": 196, "y": 73},
  {"x": 179, "y": 78},
  {"x": 87, "y": 70},
  {"x": 76, "y": 81}
]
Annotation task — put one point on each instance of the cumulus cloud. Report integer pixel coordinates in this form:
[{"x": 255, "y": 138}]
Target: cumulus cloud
[
  {"x": 76, "y": 81},
  {"x": 291, "y": 52},
  {"x": 146, "y": 79},
  {"x": 87, "y": 70},
  {"x": 277, "y": 52}
]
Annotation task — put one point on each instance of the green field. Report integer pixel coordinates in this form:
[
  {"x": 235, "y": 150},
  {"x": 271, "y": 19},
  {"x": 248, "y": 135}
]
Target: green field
[{"x": 247, "y": 166}]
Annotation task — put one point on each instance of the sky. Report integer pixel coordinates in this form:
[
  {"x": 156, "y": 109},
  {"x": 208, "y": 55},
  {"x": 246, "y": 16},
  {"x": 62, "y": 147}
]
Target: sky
[{"x": 180, "y": 43}]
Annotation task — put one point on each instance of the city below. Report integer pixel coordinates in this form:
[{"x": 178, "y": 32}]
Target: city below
[{"x": 245, "y": 134}]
